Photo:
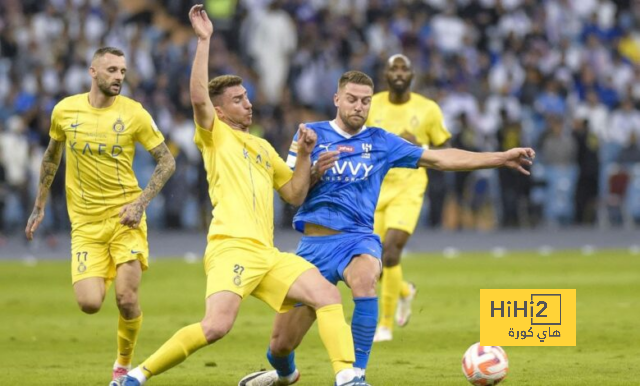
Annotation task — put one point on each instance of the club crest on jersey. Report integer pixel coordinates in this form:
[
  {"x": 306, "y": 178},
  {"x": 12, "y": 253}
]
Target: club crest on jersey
[
  {"x": 118, "y": 127},
  {"x": 345, "y": 149},
  {"x": 366, "y": 148}
]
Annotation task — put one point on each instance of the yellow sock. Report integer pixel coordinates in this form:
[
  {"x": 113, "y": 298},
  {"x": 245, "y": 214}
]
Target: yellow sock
[
  {"x": 336, "y": 336},
  {"x": 182, "y": 344},
  {"x": 405, "y": 289},
  {"x": 390, "y": 291},
  {"x": 127, "y": 336}
]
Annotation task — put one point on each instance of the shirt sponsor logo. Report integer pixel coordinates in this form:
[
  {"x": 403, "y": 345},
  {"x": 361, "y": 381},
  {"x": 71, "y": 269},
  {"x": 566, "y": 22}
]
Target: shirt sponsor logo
[{"x": 345, "y": 148}]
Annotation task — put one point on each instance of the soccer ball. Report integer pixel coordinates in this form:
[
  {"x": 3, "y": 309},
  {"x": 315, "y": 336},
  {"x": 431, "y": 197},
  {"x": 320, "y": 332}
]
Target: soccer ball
[{"x": 485, "y": 365}]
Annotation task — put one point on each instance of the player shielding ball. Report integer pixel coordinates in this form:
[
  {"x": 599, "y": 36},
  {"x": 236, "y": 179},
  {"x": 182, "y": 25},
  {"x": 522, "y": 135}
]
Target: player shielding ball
[{"x": 337, "y": 216}]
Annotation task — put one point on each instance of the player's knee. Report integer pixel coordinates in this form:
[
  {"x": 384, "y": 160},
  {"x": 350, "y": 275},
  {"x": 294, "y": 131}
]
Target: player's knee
[
  {"x": 391, "y": 254},
  {"x": 364, "y": 284},
  {"x": 326, "y": 295},
  {"x": 90, "y": 305},
  {"x": 127, "y": 302},
  {"x": 214, "y": 331}
]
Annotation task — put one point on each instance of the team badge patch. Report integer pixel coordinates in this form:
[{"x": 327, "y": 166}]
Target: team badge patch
[{"x": 118, "y": 127}]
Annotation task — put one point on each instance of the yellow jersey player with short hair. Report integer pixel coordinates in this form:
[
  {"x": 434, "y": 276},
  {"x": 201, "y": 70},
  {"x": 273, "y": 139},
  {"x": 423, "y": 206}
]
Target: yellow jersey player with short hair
[
  {"x": 99, "y": 130},
  {"x": 420, "y": 121},
  {"x": 240, "y": 259}
]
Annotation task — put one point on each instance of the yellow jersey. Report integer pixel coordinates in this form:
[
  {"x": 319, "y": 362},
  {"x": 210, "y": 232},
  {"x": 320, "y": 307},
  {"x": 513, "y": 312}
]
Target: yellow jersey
[
  {"x": 100, "y": 147},
  {"x": 242, "y": 171},
  {"x": 419, "y": 116}
]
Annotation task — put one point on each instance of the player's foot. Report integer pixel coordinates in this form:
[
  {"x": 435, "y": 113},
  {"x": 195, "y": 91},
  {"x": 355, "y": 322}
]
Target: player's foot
[
  {"x": 403, "y": 312},
  {"x": 268, "y": 378},
  {"x": 383, "y": 334},
  {"x": 119, "y": 371},
  {"x": 357, "y": 381},
  {"x": 125, "y": 381}
]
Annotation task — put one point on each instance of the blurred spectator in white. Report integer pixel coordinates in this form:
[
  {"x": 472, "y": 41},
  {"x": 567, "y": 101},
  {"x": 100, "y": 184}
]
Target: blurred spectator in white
[
  {"x": 273, "y": 41},
  {"x": 625, "y": 120},
  {"x": 448, "y": 30},
  {"x": 596, "y": 114},
  {"x": 507, "y": 72},
  {"x": 15, "y": 159}
]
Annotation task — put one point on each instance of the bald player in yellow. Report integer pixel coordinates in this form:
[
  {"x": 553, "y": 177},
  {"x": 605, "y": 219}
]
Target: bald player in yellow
[
  {"x": 99, "y": 130},
  {"x": 240, "y": 259},
  {"x": 420, "y": 121}
]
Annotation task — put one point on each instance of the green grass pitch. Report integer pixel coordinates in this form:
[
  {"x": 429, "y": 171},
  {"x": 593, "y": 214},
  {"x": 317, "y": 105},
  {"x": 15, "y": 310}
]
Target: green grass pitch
[{"x": 46, "y": 340}]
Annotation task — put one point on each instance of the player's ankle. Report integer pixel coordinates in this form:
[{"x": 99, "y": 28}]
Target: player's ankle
[
  {"x": 138, "y": 374},
  {"x": 345, "y": 376}
]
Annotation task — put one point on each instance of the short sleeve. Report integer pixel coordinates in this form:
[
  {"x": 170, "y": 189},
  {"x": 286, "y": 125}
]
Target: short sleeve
[
  {"x": 401, "y": 153},
  {"x": 282, "y": 174},
  {"x": 147, "y": 132},
  {"x": 55, "y": 131},
  {"x": 202, "y": 137},
  {"x": 437, "y": 130}
]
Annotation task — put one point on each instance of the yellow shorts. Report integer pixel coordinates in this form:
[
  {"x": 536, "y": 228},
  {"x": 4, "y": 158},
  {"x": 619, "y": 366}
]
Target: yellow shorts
[
  {"x": 246, "y": 267},
  {"x": 399, "y": 207},
  {"x": 97, "y": 248}
]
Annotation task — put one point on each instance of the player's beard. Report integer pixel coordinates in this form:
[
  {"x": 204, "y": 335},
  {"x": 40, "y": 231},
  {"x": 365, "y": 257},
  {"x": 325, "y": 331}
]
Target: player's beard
[
  {"x": 105, "y": 88},
  {"x": 400, "y": 87},
  {"x": 352, "y": 122}
]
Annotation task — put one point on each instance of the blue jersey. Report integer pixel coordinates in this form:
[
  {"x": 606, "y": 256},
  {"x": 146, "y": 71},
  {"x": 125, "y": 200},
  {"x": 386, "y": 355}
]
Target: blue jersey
[{"x": 345, "y": 198}]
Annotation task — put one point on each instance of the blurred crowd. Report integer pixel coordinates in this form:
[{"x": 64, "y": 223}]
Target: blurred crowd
[{"x": 562, "y": 76}]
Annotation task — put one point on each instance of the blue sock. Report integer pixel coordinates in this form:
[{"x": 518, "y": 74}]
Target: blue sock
[
  {"x": 363, "y": 327},
  {"x": 284, "y": 366}
]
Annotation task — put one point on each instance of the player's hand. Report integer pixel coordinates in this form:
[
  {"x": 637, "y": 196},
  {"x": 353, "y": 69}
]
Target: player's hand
[
  {"x": 519, "y": 157},
  {"x": 131, "y": 214},
  {"x": 306, "y": 140},
  {"x": 200, "y": 22},
  {"x": 34, "y": 222},
  {"x": 326, "y": 160}
]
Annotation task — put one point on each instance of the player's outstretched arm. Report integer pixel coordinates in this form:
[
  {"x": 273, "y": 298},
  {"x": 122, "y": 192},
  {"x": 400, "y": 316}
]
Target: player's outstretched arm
[
  {"x": 459, "y": 160},
  {"x": 295, "y": 191},
  {"x": 198, "y": 85},
  {"x": 48, "y": 169},
  {"x": 131, "y": 214}
]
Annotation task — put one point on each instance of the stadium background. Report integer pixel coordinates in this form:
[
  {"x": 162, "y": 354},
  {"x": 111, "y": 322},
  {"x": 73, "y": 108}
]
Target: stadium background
[{"x": 562, "y": 76}]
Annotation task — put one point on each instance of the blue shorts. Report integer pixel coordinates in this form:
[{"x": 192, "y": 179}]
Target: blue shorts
[{"x": 332, "y": 254}]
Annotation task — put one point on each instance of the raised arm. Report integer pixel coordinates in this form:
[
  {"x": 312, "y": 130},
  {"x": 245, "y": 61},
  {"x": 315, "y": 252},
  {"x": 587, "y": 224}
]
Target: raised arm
[
  {"x": 198, "y": 85},
  {"x": 459, "y": 160},
  {"x": 131, "y": 214},
  {"x": 295, "y": 191},
  {"x": 48, "y": 170}
]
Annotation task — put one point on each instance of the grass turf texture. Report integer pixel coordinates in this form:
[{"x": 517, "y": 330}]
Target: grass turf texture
[{"x": 46, "y": 340}]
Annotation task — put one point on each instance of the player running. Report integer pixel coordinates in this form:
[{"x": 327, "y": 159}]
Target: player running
[
  {"x": 418, "y": 120},
  {"x": 106, "y": 206}
]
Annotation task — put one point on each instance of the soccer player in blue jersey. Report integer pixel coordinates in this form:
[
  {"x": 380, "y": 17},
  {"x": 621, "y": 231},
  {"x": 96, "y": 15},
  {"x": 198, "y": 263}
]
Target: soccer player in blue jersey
[{"x": 337, "y": 216}]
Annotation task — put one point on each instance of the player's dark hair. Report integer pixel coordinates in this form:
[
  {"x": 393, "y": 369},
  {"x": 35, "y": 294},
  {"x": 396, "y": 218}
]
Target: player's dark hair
[
  {"x": 219, "y": 84},
  {"x": 355, "y": 77},
  {"x": 100, "y": 52}
]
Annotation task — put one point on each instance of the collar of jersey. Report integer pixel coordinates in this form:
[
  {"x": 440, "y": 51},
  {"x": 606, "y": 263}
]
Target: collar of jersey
[{"x": 343, "y": 133}]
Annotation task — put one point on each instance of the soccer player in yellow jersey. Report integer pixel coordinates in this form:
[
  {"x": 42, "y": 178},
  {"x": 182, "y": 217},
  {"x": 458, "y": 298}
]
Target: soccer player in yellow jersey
[
  {"x": 240, "y": 259},
  {"x": 106, "y": 206},
  {"x": 420, "y": 121}
]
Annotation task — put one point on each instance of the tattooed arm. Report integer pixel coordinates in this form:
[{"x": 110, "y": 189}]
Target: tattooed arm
[
  {"x": 131, "y": 214},
  {"x": 48, "y": 169}
]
